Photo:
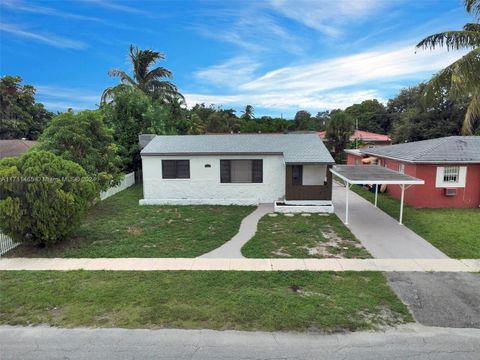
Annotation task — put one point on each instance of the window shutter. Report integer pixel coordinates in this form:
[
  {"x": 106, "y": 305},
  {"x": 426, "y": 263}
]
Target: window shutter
[
  {"x": 225, "y": 171},
  {"x": 183, "y": 169},
  {"x": 168, "y": 169},
  {"x": 257, "y": 171}
]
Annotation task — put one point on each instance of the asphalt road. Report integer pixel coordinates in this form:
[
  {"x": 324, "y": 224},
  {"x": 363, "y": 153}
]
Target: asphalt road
[
  {"x": 440, "y": 299},
  {"x": 407, "y": 342}
]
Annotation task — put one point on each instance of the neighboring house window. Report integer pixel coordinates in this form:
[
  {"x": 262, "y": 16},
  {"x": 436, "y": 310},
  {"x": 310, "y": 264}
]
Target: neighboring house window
[
  {"x": 297, "y": 175},
  {"x": 241, "y": 171},
  {"x": 357, "y": 161},
  {"x": 176, "y": 169},
  {"x": 401, "y": 168},
  {"x": 451, "y": 176}
]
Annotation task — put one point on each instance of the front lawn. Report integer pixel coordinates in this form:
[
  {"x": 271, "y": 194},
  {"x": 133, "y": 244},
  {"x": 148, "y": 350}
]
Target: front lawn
[
  {"x": 119, "y": 227},
  {"x": 456, "y": 232},
  {"x": 269, "y": 301},
  {"x": 303, "y": 236}
]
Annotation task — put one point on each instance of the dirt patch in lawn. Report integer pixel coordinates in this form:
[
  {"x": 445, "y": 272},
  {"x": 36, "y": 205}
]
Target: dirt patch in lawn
[
  {"x": 134, "y": 230},
  {"x": 333, "y": 245}
]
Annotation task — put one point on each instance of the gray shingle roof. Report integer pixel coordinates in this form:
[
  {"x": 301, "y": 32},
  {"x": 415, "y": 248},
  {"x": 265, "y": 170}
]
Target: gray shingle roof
[
  {"x": 296, "y": 148},
  {"x": 10, "y": 148},
  {"x": 452, "y": 149}
]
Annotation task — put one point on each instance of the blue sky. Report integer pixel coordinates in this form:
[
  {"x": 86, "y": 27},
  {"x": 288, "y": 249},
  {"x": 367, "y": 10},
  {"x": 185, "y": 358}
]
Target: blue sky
[{"x": 279, "y": 56}]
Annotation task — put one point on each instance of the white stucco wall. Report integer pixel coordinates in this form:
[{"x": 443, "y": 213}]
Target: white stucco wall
[
  {"x": 314, "y": 174},
  {"x": 204, "y": 185}
]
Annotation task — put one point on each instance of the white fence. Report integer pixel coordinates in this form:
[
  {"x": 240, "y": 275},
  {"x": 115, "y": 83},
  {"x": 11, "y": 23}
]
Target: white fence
[
  {"x": 6, "y": 244},
  {"x": 128, "y": 181}
]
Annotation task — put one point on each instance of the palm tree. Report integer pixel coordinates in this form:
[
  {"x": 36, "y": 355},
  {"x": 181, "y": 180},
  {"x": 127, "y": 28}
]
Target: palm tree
[
  {"x": 153, "y": 82},
  {"x": 248, "y": 113},
  {"x": 463, "y": 76}
]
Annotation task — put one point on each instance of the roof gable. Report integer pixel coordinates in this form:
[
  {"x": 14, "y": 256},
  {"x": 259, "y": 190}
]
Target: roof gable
[{"x": 296, "y": 148}]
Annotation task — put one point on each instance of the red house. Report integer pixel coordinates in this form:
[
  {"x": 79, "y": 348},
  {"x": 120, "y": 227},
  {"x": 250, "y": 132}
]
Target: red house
[
  {"x": 366, "y": 138},
  {"x": 450, "y": 167}
]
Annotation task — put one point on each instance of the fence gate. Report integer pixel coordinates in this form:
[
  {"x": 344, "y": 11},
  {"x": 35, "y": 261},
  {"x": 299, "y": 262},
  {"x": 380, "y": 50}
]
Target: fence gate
[{"x": 6, "y": 244}]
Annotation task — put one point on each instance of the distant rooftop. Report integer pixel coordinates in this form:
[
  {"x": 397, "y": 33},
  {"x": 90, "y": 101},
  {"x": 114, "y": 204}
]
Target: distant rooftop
[
  {"x": 363, "y": 135},
  {"x": 296, "y": 148},
  {"x": 451, "y": 149},
  {"x": 9, "y": 148}
]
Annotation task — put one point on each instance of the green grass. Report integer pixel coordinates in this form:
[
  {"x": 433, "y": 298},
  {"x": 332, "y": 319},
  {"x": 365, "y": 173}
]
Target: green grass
[
  {"x": 315, "y": 236},
  {"x": 215, "y": 300},
  {"x": 119, "y": 227},
  {"x": 456, "y": 232}
]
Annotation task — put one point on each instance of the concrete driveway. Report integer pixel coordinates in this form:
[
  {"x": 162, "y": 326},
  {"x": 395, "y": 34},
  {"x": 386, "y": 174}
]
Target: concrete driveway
[
  {"x": 381, "y": 235},
  {"x": 440, "y": 299}
]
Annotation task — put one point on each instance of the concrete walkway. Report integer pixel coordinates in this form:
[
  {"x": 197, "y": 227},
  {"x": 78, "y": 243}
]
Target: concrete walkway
[
  {"x": 381, "y": 234},
  {"x": 158, "y": 264},
  {"x": 232, "y": 249}
]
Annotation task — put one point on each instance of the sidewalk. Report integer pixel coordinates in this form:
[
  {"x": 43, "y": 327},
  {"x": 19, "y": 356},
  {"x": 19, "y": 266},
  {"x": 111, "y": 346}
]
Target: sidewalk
[
  {"x": 156, "y": 264},
  {"x": 381, "y": 234}
]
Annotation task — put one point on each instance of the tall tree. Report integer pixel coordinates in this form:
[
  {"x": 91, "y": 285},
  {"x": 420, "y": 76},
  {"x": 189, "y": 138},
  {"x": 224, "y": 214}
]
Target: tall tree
[
  {"x": 131, "y": 113},
  {"x": 370, "y": 116},
  {"x": 302, "y": 120},
  {"x": 337, "y": 133},
  {"x": 20, "y": 115},
  {"x": 152, "y": 81},
  {"x": 248, "y": 113},
  {"x": 84, "y": 139},
  {"x": 463, "y": 76},
  {"x": 413, "y": 121}
]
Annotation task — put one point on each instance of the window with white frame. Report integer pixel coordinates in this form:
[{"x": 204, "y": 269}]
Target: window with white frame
[
  {"x": 451, "y": 176},
  {"x": 401, "y": 168}
]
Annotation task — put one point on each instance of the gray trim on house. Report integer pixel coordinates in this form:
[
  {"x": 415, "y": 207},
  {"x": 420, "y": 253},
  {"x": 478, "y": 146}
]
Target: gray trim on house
[
  {"x": 296, "y": 148},
  {"x": 446, "y": 150}
]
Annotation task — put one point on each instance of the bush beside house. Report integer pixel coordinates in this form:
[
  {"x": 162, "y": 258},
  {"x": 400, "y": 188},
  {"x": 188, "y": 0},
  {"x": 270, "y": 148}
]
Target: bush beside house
[{"x": 42, "y": 197}]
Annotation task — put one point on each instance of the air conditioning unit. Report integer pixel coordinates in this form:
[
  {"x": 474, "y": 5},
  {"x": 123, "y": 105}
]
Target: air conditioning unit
[{"x": 450, "y": 192}]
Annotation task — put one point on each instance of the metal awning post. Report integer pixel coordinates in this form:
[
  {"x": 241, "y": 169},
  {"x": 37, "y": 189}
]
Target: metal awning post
[
  {"x": 376, "y": 194},
  {"x": 401, "y": 203},
  {"x": 347, "y": 190}
]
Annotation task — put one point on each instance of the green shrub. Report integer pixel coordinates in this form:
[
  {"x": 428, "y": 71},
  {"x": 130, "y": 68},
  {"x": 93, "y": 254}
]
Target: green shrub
[
  {"x": 84, "y": 138},
  {"x": 42, "y": 197}
]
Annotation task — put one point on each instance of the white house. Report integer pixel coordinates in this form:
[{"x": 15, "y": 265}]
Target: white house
[{"x": 289, "y": 169}]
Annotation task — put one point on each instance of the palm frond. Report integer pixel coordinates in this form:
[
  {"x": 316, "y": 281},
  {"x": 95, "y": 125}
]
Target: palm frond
[
  {"x": 124, "y": 77},
  {"x": 473, "y": 7},
  {"x": 142, "y": 61},
  {"x": 463, "y": 76},
  {"x": 452, "y": 40},
  {"x": 158, "y": 73},
  {"x": 472, "y": 115}
]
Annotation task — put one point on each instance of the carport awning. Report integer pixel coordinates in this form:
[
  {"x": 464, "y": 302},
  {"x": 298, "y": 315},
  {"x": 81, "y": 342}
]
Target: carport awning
[{"x": 374, "y": 175}]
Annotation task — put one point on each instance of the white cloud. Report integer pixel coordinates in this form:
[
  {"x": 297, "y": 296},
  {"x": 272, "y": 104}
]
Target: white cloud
[
  {"x": 326, "y": 16},
  {"x": 287, "y": 101},
  {"x": 328, "y": 84},
  {"x": 21, "y": 6},
  {"x": 377, "y": 65},
  {"x": 50, "y": 39},
  {"x": 60, "y": 98},
  {"x": 231, "y": 73},
  {"x": 251, "y": 30}
]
